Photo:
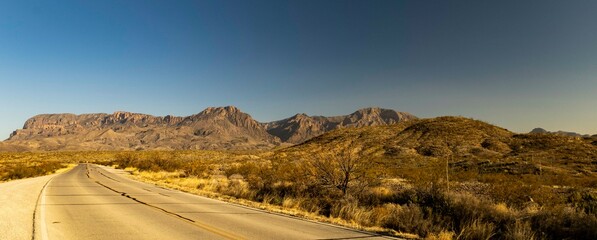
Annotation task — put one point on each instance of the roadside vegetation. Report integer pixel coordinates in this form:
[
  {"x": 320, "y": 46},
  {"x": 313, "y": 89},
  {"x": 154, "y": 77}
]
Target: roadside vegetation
[
  {"x": 516, "y": 198},
  {"x": 15, "y": 165},
  {"x": 407, "y": 198}
]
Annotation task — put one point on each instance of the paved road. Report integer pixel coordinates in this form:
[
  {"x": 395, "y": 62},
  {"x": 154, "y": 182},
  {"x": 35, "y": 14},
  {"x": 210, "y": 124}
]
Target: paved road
[{"x": 96, "y": 202}]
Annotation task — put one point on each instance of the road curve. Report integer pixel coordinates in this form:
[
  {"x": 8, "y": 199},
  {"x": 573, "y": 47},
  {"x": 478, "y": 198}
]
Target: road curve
[{"x": 96, "y": 202}]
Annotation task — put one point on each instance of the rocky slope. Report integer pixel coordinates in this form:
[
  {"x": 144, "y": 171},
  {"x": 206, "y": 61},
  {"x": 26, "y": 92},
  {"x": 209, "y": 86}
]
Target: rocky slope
[
  {"x": 302, "y": 127},
  {"x": 213, "y": 128}
]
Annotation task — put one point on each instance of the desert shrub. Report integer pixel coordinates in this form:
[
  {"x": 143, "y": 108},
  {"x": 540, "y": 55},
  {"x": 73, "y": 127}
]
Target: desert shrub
[
  {"x": 443, "y": 235},
  {"x": 512, "y": 191},
  {"x": 197, "y": 168},
  {"x": 238, "y": 188},
  {"x": 149, "y": 161},
  {"x": 584, "y": 200},
  {"x": 377, "y": 195},
  {"x": 495, "y": 145},
  {"x": 469, "y": 215},
  {"x": 520, "y": 230},
  {"x": 19, "y": 171},
  {"x": 26, "y": 170},
  {"x": 164, "y": 161},
  {"x": 349, "y": 208},
  {"x": 477, "y": 230},
  {"x": 123, "y": 160},
  {"x": 564, "y": 223},
  {"x": 434, "y": 151},
  {"x": 245, "y": 169},
  {"x": 410, "y": 218}
]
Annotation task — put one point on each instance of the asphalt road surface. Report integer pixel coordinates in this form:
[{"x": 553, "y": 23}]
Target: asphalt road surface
[{"x": 96, "y": 202}]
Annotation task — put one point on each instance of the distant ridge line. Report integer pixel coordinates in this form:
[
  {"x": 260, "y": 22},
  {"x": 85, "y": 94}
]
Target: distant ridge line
[{"x": 213, "y": 128}]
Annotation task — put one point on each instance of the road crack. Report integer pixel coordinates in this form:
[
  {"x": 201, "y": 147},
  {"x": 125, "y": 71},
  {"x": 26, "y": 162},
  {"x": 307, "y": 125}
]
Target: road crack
[
  {"x": 199, "y": 224},
  {"x": 124, "y": 194},
  {"x": 108, "y": 176}
]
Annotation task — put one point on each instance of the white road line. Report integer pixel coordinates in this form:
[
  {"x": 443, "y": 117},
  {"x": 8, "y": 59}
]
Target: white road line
[{"x": 42, "y": 214}]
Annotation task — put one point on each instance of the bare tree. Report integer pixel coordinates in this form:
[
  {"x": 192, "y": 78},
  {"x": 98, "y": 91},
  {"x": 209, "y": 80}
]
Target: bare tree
[{"x": 342, "y": 170}]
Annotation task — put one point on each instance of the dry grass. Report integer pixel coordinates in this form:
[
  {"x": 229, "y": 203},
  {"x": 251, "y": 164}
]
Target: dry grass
[
  {"x": 410, "y": 197},
  {"x": 443, "y": 235},
  {"x": 25, "y": 165}
]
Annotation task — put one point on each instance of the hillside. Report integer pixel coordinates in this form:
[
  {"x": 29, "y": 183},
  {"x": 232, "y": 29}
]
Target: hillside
[
  {"x": 422, "y": 137},
  {"x": 470, "y": 143}
]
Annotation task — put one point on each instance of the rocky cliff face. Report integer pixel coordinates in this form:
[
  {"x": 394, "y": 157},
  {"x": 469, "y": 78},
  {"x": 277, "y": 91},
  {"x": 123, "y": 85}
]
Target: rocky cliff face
[
  {"x": 213, "y": 128},
  {"x": 50, "y": 125},
  {"x": 301, "y": 127}
]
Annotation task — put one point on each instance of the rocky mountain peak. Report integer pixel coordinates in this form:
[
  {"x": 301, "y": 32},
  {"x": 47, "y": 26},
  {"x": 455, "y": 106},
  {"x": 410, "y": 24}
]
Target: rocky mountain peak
[
  {"x": 228, "y": 113},
  {"x": 368, "y": 110},
  {"x": 386, "y": 114},
  {"x": 374, "y": 116},
  {"x": 224, "y": 111},
  {"x": 302, "y": 127},
  {"x": 539, "y": 130},
  {"x": 120, "y": 116},
  {"x": 300, "y": 117}
]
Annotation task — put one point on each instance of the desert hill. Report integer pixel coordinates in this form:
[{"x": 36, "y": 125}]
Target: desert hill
[
  {"x": 213, "y": 128},
  {"x": 470, "y": 143},
  {"x": 440, "y": 136}
]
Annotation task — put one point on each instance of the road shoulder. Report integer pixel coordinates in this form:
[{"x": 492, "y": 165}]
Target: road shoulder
[{"x": 18, "y": 201}]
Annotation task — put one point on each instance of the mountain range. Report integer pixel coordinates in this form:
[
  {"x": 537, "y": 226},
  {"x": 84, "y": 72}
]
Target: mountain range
[
  {"x": 561, "y": 133},
  {"x": 212, "y": 128},
  {"x": 301, "y": 127}
]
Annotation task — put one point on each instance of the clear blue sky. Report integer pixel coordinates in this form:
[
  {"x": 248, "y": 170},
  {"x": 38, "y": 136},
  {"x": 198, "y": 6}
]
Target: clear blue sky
[{"x": 518, "y": 64}]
